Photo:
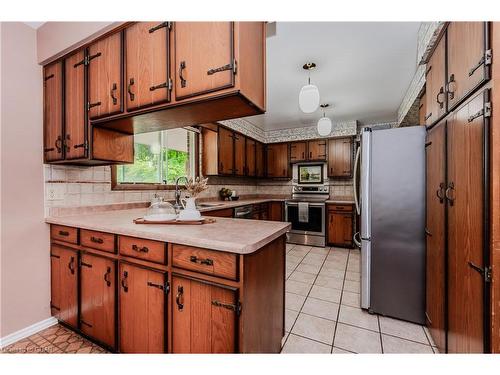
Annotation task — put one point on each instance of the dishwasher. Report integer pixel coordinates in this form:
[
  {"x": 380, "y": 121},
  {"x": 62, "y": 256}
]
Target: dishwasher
[{"x": 243, "y": 212}]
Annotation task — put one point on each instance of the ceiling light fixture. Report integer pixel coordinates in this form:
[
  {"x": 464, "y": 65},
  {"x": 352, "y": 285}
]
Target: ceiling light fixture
[
  {"x": 324, "y": 123},
  {"x": 309, "y": 94}
]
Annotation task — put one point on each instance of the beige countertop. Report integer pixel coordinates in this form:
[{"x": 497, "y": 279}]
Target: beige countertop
[{"x": 232, "y": 235}]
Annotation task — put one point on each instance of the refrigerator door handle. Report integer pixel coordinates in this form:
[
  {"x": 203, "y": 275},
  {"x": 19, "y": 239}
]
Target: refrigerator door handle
[
  {"x": 355, "y": 239},
  {"x": 356, "y": 163}
]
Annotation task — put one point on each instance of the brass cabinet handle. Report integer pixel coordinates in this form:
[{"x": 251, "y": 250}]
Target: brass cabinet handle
[
  {"x": 59, "y": 144},
  {"x": 139, "y": 249},
  {"x": 91, "y": 57},
  {"x": 96, "y": 240},
  {"x": 107, "y": 276},
  {"x": 179, "y": 298},
  {"x": 63, "y": 233},
  {"x": 131, "y": 82},
  {"x": 452, "y": 86},
  {"x": 448, "y": 195},
  {"x": 220, "y": 69},
  {"x": 428, "y": 116},
  {"x": 158, "y": 27},
  {"x": 124, "y": 281},
  {"x": 440, "y": 193},
  {"x": 71, "y": 265},
  {"x": 441, "y": 92},
  {"x": 182, "y": 66},
  {"x": 113, "y": 93},
  {"x": 163, "y": 85},
  {"x": 207, "y": 261}
]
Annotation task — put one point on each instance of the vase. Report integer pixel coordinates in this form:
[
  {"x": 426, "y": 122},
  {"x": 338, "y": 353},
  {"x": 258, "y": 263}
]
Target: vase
[{"x": 189, "y": 212}]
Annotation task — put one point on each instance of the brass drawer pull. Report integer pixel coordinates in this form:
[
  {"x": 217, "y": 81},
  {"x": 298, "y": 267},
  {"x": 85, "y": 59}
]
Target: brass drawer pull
[
  {"x": 85, "y": 264},
  {"x": 71, "y": 265},
  {"x": 107, "y": 276},
  {"x": 124, "y": 281},
  {"x": 143, "y": 249},
  {"x": 86, "y": 324},
  {"x": 91, "y": 57},
  {"x": 113, "y": 94},
  {"x": 96, "y": 240},
  {"x": 448, "y": 195},
  {"x": 129, "y": 89},
  {"x": 428, "y": 116},
  {"x": 220, "y": 69},
  {"x": 58, "y": 144},
  {"x": 48, "y": 149},
  {"x": 452, "y": 87},
  {"x": 160, "y": 26},
  {"x": 440, "y": 192},
  {"x": 63, "y": 233},
  {"x": 179, "y": 298},
  {"x": 182, "y": 66},
  {"x": 163, "y": 85},
  {"x": 441, "y": 92},
  {"x": 234, "y": 307},
  {"x": 207, "y": 261},
  {"x": 91, "y": 105},
  {"x": 158, "y": 286},
  {"x": 48, "y": 77}
]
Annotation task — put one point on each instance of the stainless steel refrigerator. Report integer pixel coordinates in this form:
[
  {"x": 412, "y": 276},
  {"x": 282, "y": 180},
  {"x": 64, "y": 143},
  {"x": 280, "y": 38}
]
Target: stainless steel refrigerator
[{"x": 390, "y": 199}]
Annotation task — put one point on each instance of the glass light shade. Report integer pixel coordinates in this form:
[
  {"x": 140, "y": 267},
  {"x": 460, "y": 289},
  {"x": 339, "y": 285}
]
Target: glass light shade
[
  {"x": 309, "y": 99},
  {"x": 324, "y": 126}
]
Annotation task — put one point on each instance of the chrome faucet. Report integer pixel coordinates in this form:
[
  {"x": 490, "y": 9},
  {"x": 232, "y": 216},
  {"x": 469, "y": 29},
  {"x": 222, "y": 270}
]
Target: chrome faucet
[{"x": 177, "y": 204}]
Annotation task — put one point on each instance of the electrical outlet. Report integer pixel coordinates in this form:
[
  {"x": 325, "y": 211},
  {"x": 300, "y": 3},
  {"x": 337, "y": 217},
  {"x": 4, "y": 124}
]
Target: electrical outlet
[{"x": 54, "y": 194}]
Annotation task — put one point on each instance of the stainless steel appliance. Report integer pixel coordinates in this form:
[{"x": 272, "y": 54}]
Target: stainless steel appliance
[
  {"x": 243, "y": 212},
  {"x": 306, "y": 209},
  {"x": 390, "y": 198}
]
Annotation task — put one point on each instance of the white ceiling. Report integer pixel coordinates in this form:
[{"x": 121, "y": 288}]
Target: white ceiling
[{"x": 363, "y": 70}]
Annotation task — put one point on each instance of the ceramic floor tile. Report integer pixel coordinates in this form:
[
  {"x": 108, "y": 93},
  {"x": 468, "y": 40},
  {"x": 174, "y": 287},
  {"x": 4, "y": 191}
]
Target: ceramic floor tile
[
  {"x": 312, "y": 261},
  {"x": 429, "y": 337},
  {"x": 308, "y": 268},
  {"x": 297, "y": 253},
  {"x": 353, "y": 267},
  {"x": 297, "y": 344},
  {"x": 352, "y": 286},
  {"x": 340, "y": 351},
  {"x": 329, "y": 282},
  {"x": 357, "y": 340},
  {"x": 290, "y": 316},
  {"x": 320, "y": 308},
  {"x": 393, "y": 344},
  {"x": 328, "y": 265},
  {"x": 303, "y": 248},
  {"x": 436, "y": 350},
  {"x": 288, "y": 273},
  {"x": 351, "y": 299},
  {"x": 326, "y": 294},
  {"x": 353, "y": 276},
  {"x": 293, "y": 258},
  {"x": 283, "y": 340},
  {"x": 359, "y": 318},
  {"x": 332, "y": 273},
  {"x": 303, "y": 277},
  {"x": 291, "y": 267},
  {"x": 294, "y": 301},
  {"x": 314, "y": 328},
  {"x": 297, "y": 287},
  {"x": 319, "y": 250},
  {"x": 404, "y": 330}
]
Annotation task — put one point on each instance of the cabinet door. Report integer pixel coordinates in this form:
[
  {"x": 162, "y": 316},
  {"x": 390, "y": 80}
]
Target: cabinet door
[
  {"x": 467, "y": 59},
  {"x": 422, "y": 110},
  {"x": 204, "y": 57},
  {"x": 251, "y": 146},
  {"x": 75, "y": 101},
  {"x": 298, "y": 151},
  {"x": 142, "y": 310},
  {"x": 105, "y": 76},
  {"x": 97, "y": 315},
  {"x": 275, "y": 211},
  {"x": 64, "y": 284},
  {"x": 277, "y": 158},
  {"x": 435, "y": 234},
  {"x": 203, "y": 317},
  {"x": 53, "y": 112},
  {"x": 435, "y": 84},
  {"x": 226, "y": 151},
  {"x": 340, "y": 228},
  {"x": 465, "y": 195},
  {"x": 317, "y": 149},
  {"x": 340, "y": 157},
  {"x": 239, "y": 154},
  {"x": 147, "y": 64},
  {"x": 259, "y": 160}
]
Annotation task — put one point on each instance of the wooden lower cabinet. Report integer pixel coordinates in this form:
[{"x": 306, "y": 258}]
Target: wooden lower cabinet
[
  {"x": 142, "y": 309},
  {"x": 98, "y": 302},
  {"x": 275, "y": 211},
  {"x": 340, "y": 225},
  {"x": 204, "y": 317},
  {"x": 64, "y": 284}
]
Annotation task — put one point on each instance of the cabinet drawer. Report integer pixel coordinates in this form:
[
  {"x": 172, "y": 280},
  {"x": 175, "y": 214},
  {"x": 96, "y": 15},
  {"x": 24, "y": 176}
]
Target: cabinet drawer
[
  {"x": 340, "y": 207},
  {"x": 211, "y": 262},
  {"x": 153, "y": 251},
  {"x": 97, "y": 240},
  {"x": 63, "y": 233}
]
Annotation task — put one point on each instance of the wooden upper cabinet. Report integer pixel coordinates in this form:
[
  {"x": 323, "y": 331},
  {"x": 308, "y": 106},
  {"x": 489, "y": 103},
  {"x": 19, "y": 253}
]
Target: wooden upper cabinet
[
  {"x": 340, "y": 157},
  {"x": 75, "y": 94},
  {"x": 239, "y": 154},
  {"x": 105, "y": 76},
  {"x": 422, "y": 110},
  {"x": 298, "y": 151},
  {"x": 64, "y": 284},
  {"x": 53, "y": 112},
  {"x": 259, "y": 160},
  {"x": 204, "y": 317},
  {"x": 468, "y": 61},
  {"x": 97, "y": 282},
  {"x": 147, "y": 59},
  {"x": 316, "y": 149},
  {"x": 142, "y": 306},
  {"x": 251, "y": 147},
  {"x": 436, "y": 84},
  {"x": 204, "y": 57},
  {"x": 226, "y": 151},
  {"x": 277, "y": 160}
]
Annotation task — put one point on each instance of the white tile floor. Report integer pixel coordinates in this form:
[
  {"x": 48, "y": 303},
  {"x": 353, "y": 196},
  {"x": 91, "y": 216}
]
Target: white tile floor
[{"x": 322, "y": 308}]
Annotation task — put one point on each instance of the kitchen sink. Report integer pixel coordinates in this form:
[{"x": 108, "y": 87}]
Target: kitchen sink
[{"x": 209, "y": 204}]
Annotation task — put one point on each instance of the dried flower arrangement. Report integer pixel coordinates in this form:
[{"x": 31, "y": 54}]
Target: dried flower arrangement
[{"x": 196, "y": 186}]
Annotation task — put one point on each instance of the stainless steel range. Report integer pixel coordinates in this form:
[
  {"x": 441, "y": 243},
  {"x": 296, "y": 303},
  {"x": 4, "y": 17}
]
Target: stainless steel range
[{"x": 306, "y": 209}]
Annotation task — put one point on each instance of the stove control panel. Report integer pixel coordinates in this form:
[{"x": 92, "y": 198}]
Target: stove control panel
[{"x": 323, "y": 189}]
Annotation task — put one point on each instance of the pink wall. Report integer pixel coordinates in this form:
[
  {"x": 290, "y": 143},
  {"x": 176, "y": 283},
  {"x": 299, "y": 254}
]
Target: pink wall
[{"x": 24, "y": 239}]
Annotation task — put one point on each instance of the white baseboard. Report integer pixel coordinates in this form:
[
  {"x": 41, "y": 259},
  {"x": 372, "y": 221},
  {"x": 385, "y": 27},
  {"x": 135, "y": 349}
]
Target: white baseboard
[{"x": 28, "y": 331}]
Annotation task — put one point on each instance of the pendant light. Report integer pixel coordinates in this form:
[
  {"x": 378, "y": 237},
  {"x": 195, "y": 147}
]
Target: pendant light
[
  {"x": 309, "y": 94},
  {"x": 324, "y": 123}
]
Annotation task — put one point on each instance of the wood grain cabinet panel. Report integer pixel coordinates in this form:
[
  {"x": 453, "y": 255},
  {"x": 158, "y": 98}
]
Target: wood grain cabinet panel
[
  {"x": 64, "y": 284},
  {"x": 275, "y": 211},
  {"x": 260, "y": 168},
  {"x": 97, "y": 314},
  {"x": 64, "y": 233},
  {"x": 147, "y": 64},
  {"x": 75, "y": 100},
  {"x": 204, "y": 317},
  {"x": 340, "y": 225},
  {"x": 435, "y": 87},
  {"x": 250, "y": 162},
  {"x": 204, "y": 57},
  {"x": 226, "y": 151},
  {"x": 422, "y": 109},
  {"x": 298, "y": 151},
  {"x": 53, "y": 112},
  {"x": 239, "y": 155},
  {"x": 105, "y": 76},
  {"x": 225, "y": 212},
  {"x": 98, "y": 240},
  {"x": 435, "y": 234},
  {"x": 340, "y": 157},
  {"x": 153, "y": 251},
  {"x": 316, "y": 149},
  {"x": 277, "y": 160},
  {"x": 142, "y": 299},
  {"x": 467, "y": 59}
]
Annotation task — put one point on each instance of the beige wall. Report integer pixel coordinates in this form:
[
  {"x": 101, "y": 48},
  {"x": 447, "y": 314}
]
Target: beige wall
[{"x": 24, "y": 263}]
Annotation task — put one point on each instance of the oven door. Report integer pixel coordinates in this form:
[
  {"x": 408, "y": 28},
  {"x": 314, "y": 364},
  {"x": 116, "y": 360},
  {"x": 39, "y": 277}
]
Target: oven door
[{"x": 316, "y": 218}]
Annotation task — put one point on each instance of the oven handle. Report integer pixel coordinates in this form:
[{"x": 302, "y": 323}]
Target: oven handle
[{"x": 310, "y": 204}]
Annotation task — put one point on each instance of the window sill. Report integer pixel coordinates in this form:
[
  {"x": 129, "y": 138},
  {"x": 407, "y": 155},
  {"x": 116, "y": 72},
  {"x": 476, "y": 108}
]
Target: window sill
[{"x": 131, "y": 186}]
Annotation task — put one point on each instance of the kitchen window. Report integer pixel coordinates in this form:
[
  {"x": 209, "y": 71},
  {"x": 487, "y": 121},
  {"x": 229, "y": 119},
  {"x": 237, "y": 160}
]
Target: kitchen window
[{"x": 159, "y": 158}]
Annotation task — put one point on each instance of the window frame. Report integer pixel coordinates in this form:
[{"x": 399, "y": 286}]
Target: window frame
[{"x": 115, "y": 185}]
